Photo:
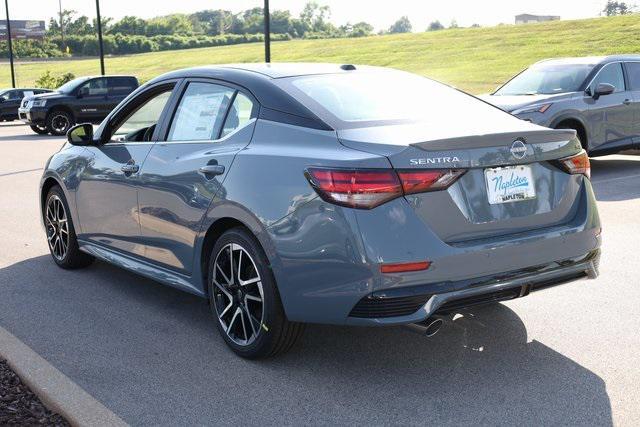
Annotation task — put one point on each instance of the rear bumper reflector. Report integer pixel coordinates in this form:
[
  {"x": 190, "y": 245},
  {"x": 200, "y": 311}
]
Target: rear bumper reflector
[{"x": 406, "y": 267}]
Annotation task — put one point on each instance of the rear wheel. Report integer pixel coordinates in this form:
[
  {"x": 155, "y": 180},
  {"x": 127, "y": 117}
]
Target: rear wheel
[
  {"x": 59, "y": 122},
  {"x": 245, "y": 300},
  {"x": 40, "y": 130},
  {"x": 61, "y": 235}
]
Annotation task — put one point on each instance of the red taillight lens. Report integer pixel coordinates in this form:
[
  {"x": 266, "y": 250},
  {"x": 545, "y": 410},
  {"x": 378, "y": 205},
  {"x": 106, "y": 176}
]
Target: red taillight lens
[
  {"x": 428, "y": 180},
  {"x": 405, "y": 267},
  {"x": 578, "y": 164},
  {"x": 368, "y": 188},
  {"x": 355, "y": 188}
]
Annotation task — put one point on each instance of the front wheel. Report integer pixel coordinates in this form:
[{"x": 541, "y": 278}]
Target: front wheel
[
  {"x": 61, "y": 235},
  {"x": 40, "y": 130},
  {"x": 59, "y": 122},
  {"x": 244, "y": 298}
]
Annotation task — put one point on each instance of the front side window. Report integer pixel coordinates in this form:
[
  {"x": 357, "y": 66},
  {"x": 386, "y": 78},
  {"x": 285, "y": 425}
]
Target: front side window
[
  {"x": 611, "y": 74},
  {"x": 241, "y": 112},
  {"x": 200, "y": 113},
  {"x": 141, "y": 123},
  {"x": 95, "y": 87}
]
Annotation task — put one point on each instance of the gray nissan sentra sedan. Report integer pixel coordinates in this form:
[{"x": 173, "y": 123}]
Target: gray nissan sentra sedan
[
  {"x": 598, "y": 97},
  {"x": 295, "y": 193}
]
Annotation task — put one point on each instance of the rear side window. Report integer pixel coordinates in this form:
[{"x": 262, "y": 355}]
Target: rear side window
[
  {"x": 241, "y": 112},
  {"x": 633, "y": 69},
  {"x": 119, "y": 86},
  {"x": 201, "y": 112},
  {"x": 611, "y": 74}
]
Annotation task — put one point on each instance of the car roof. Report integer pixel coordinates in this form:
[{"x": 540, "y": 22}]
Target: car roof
[
  {"x": 589, "y": 60},
  {"x": 259, "y": 79}
]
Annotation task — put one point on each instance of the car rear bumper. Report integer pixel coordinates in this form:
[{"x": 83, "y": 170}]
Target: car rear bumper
[{"x": 383, "y": 308}]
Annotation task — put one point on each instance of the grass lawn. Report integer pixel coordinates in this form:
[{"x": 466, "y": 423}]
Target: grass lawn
[{"x": 474, "y": 59}]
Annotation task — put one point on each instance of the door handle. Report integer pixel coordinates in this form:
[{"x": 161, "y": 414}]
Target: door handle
[
  {"x": 130, "y": 168},
  {"x": 627, "y": 102},
  {"x": 212, "y": 170}
]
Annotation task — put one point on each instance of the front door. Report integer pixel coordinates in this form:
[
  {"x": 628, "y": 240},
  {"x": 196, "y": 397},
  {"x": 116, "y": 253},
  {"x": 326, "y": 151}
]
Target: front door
[
  {"x": 92, "y": 104},
  {"x": 107, "y": 196},
  {"x": 184, "y": 172},
  {"x": 611, "y": 117}
]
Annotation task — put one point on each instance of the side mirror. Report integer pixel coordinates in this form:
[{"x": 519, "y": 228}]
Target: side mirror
[
  {"x": 603, "y": 89},
  {"x": 81, "y": 134},
  {"x": 2, "y": 100},
  {"x": 84, "y": 91}
]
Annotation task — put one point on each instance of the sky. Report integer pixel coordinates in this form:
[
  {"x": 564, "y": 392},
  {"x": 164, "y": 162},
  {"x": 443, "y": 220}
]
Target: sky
[{"x": 378, "y": 13}]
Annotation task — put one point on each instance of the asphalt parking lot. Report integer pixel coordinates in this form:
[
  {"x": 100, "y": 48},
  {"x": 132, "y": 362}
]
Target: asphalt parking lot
[{"x": 151, "y": 354}]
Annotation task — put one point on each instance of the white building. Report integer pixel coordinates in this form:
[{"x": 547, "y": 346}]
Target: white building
[{"x": 526, "y": 18}]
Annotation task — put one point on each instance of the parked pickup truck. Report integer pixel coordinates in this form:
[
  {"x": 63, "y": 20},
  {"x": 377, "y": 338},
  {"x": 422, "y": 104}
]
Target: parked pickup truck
[{"x": 85, "y": 99}]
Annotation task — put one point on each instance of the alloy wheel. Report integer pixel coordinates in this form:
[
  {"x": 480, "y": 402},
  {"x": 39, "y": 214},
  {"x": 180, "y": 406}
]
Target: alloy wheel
[
  {"x": 57, "y": 226},
  {"x": 238, "y": 295},
  {"x": 60, "y": 123}
]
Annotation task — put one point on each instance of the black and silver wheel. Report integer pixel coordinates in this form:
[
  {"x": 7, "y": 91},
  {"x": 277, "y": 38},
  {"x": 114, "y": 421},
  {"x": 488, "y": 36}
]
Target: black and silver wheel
[
  {"x": 61, "y": 236},
  {"x": 245, "y": 300},
  {"x": 59, "y": 122},
  {"x": 40, "y": 130}
]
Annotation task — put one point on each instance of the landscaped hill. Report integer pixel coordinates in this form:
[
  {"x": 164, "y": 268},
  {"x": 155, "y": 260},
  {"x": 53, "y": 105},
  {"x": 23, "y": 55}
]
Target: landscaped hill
[{"x": 473, "y": 59}]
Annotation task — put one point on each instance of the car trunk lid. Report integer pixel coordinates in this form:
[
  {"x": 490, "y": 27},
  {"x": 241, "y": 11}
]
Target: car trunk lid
[{"x": 463, "y": 212}]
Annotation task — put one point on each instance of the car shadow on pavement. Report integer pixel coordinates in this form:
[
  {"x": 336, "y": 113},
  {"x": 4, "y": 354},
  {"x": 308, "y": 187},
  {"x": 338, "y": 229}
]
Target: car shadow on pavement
[
  {"x": 152, "y": 354},
  {"x": 616, "y": 179}
]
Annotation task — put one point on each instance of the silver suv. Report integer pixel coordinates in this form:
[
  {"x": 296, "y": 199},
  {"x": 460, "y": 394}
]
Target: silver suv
[{"x": 598, "y": 97}]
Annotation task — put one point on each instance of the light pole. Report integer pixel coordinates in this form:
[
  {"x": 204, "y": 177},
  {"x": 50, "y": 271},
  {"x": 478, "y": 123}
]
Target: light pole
[
  {"x": 99, "y": 22},
  {"x": 64, "y": 48},
  {"x": 13, "y": 75},
  {"x": 267, "y": 32}
]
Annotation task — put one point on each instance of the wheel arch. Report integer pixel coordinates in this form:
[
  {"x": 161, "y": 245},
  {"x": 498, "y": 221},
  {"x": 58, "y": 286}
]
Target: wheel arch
[
  {"x": 61, "y": 107},
  {"x": 574, "y": 123},
  {"x": 228, "y": 217},
  {"x": 48, "y": 183}
]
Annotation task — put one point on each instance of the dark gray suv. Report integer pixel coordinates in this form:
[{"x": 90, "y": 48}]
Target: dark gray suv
[{"x": 599, "y": 97}]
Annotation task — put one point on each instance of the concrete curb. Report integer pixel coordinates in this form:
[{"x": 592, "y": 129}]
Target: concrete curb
[{"x": 55, "y": 389}]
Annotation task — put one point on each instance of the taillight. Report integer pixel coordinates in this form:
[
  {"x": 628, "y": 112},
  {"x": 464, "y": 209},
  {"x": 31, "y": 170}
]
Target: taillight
[
  {"x": 368, "y": 188},
  {"x": 355, "y": 188},
  {"x": 421, "y": 181},
  {"x": 578, "y": 164}
]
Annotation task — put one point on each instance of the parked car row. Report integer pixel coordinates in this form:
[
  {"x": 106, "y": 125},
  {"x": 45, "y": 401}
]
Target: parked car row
[
  {"x": 287, "y": 194},
  {"x": 85, "y": 99}
]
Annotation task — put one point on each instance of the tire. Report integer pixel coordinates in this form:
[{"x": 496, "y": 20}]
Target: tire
[
  {"x": 260, "y": 328},
  {"x": 61, "y": 235},
  {"x": 39, "y": 130},
  {"x": 59, "y": 122}
]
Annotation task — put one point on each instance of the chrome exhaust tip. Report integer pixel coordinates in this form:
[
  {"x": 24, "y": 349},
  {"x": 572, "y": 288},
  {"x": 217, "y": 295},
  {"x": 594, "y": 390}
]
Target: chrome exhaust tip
[{"x": 427, "y": 328}]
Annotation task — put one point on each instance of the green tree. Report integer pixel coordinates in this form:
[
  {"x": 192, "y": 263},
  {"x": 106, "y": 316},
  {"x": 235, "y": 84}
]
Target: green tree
[
  {"x": 316, "y": 17},
  {"x": 402, "y": 25},
  {"x": 613, "y": 8},
  {"x": 435, "y": 26}
]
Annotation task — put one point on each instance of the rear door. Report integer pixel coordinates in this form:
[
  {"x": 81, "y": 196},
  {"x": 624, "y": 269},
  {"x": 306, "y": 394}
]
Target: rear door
[
  {"x": 9, "y": 108},
  {"x": 633, "y": 74},
  {"x": 611, "y": 117},
  {"x": 187, "y": 167}
]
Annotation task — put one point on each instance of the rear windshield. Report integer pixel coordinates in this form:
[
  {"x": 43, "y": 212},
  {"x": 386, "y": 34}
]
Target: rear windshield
[
  {"x": 547, "y": 79},
  {"x": 362, "y": 99}
]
